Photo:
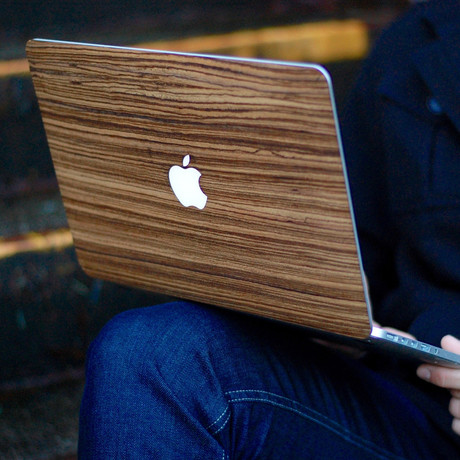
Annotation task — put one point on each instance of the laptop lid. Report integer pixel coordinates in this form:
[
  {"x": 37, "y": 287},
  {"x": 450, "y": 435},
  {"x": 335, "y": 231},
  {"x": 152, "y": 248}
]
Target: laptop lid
[{"x": 215, "y": 179}]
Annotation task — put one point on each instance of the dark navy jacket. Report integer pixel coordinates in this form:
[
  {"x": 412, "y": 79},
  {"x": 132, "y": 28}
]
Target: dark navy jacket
[{"x": 401, "y": 135}]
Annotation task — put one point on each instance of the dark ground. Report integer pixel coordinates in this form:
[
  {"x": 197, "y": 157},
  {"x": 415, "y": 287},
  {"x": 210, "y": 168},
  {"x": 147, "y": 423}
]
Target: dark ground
[{"x": 41, "y": 425}]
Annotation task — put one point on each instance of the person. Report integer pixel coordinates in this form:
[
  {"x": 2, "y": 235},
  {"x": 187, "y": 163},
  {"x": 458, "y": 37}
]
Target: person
[{"x": 185, "y": 380}]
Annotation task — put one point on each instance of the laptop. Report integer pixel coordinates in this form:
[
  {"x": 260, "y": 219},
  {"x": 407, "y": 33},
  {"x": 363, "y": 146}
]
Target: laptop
[{"x": 214, "y": 179}]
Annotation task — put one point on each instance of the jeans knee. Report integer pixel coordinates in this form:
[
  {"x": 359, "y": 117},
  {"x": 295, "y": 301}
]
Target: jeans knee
[
  {"x": 161, "y": 336},
  {"x": 171, "y": 352},
  {"x": 115, "y": 346},
  {"x": 155, "y": 377}
]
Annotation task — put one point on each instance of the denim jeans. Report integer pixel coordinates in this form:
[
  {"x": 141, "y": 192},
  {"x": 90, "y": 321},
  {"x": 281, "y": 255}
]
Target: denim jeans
[{"x": 185, "y": 381}]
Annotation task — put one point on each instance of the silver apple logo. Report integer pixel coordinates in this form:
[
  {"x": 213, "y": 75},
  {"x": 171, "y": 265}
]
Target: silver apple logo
[{"x": 185, "y": 183}]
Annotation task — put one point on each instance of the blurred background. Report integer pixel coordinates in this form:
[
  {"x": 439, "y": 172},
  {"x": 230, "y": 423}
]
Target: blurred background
[{"x": 49, "y": 309}]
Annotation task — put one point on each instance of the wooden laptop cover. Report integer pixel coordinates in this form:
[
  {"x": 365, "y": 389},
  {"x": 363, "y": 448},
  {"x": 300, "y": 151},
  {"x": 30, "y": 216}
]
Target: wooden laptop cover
[{"x": 275, "y": 238}]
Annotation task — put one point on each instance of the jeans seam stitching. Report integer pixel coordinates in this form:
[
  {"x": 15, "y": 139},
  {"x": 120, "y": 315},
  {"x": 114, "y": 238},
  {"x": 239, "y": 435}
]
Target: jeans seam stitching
[
  {"x": 332, "y": 426},
  {"x": 217, "y": 420},
  {"x": 222, "y": 426}
]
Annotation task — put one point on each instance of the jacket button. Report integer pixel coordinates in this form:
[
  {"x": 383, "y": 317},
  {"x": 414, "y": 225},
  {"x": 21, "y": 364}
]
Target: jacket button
[{"x": 433, "y": 106}]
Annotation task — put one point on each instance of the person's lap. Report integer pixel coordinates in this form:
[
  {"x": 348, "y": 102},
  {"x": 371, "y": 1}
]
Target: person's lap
[{"x": 186, "y": 381}]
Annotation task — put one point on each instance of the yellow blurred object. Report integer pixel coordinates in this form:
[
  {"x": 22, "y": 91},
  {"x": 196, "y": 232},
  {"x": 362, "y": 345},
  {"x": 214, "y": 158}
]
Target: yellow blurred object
[
  {"x": 321, "y": 42},
  {"x": 35, "y": 242},
  {"x": 13, "y": 67},
  {"x": 314, "y": 42}
]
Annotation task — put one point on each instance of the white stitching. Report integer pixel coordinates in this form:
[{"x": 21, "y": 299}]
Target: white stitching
[
  {"x": 223, "y": 425},
  {"x": 362, "y": 443},
  {"x": 223, "y": 413}
]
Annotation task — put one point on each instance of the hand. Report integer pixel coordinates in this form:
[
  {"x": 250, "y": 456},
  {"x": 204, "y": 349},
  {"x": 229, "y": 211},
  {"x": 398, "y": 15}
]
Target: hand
[{"x": 446, "y": 378}]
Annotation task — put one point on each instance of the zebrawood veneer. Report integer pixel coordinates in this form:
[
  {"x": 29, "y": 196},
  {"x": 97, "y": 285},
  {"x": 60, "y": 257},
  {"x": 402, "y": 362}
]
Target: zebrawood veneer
[{"x": 276, "y": 236}]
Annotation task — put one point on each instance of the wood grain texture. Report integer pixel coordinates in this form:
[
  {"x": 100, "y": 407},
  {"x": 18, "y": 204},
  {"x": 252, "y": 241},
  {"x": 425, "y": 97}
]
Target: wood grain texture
[{"x": 275, "y": 238}]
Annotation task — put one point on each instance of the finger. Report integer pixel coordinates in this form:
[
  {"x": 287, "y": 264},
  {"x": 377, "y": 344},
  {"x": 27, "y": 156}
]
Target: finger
[
  {"x": 455, "y": 393},
  {"x": 454, "y": 407},
  {"x": 450, "y": 343},
  {"x": 456, "y": 425},
  {"x": 440, "y": 376}
]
